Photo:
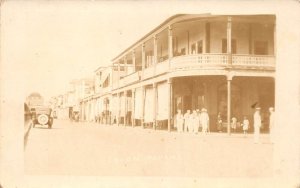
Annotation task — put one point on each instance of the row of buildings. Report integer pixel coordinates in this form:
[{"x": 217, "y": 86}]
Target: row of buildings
[{"x": 224, "y": 63}]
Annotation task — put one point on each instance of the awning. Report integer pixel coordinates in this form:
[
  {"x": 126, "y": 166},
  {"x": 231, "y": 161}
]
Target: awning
[
  {"x": 138, "y": 103},
  {"x": 149, "y": 105},
  {"x": 162, "y": 101}
]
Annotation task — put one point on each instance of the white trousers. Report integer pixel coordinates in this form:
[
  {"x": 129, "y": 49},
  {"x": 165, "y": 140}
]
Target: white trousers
[{"x": 256, "y": 134}]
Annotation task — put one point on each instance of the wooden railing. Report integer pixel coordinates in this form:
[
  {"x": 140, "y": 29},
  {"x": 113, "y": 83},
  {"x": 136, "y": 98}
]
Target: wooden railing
[
  {"x": 253, "y": 60},
  {"x": 162, "y": 67},
  {"x": 148, "y": 72},
  {"x": 126, "y": 80},
  {"x": 198, "y": 60}
]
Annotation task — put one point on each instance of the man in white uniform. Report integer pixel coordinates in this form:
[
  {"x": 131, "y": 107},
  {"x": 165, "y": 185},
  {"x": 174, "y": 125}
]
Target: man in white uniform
[
  {"x": 204, "y": 120},
  {"x": 271, "y": 124},
  {"x": 179, "y": 121},
  {"x": 195, "y": 122},
  {"x": 186, "y": 118},
  {"x": 257, "y": 125}
]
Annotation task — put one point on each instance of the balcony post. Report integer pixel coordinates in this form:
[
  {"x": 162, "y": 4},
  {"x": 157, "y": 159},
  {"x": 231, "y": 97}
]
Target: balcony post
[
  {"x": 170, "y": 42},
  {"x": 143, "y": 58},
  {"x": 154, "y": 53},
  {"x": 155, "y": 104},
  {"x": 125, "y": 65},
  {"x": 274, "y": 39},
  {"x": 133, "y": 107},
  {"x": 169, "y": 103},
  {"x": 143, "y": 109},
  {"x": 229, "y": 50},
  {"x": 118, "y": 112},
  {"x": 119, "y": 69},
  {"x": 125, "y": 107},
  {"x": 229, "y": 79},
  {"x": 133, "y": 60}
]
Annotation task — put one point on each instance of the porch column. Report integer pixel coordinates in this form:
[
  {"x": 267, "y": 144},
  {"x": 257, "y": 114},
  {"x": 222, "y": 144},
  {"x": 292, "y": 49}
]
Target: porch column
[
  {"x": 143, "y": 109},
  {"x": 229, "y": 52},
  {"x": 154, "y": 52},
  {"x": 143, "y": 58},
  {"x": 169, "y": 104},
  {"x": 250, "y": 38},
  {"x": 155, "y": 104},
  {"x": 133, "y": 60},
  {"x": 125, "y": 106},
  {"x": 170, "y": 42},
  {"x": 229, "y": 79},
  {"x": 125, "y": 66},
  {"x": 133, "y": 109},
  {"x": 119, "y": 68},
  {"x": 118, "y": 112}
]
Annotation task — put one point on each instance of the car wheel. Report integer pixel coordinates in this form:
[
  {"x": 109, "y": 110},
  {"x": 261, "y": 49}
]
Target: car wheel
[{"x": 43, "y": 119}]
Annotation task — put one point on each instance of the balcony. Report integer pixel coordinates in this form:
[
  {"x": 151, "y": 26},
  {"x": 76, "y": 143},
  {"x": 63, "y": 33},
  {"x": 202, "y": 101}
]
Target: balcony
[
  {"x": 190, "y": 62},
  {"x": 198, "y": 60},
  {"x": 253, "y": 60},
  {"x": 128, "y": 79}
]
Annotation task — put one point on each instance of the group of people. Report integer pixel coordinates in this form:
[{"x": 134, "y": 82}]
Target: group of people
[
  {"x": 257, "y": 124},
  {"x": 192, "y": 121},
  {"x": 234, "y": 124}
]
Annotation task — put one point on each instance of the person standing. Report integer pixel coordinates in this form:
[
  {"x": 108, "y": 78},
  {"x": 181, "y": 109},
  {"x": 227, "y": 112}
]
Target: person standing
[
  {"x": 271, "y": 124},
  {"x": 219, "y": 122},
  {"x": 245, "y": 125},
  {"x": 204, "y": 119},
  {"x": 233, "y": 124},
  {"x": 257, "y": 124},
  {"x": 186, "y": 118},
  {"x": 179, "y": 121},
  {"x": 195, "y": 122}
]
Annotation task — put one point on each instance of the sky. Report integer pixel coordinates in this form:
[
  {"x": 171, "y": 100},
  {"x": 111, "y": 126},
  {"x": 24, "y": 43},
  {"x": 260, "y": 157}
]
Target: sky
[
  {"x": 46, "y": 44},
  {"x": 49, "y": 43}
]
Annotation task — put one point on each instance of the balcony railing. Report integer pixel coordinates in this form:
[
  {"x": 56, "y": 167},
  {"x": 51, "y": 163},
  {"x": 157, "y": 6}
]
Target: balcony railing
[
  {"x": 162, "y": 67},
  {"x": 198, "y": 60},
  {"x": 148, "y": 72},
  {"x": 129, "y": 79},
  {"x": 253, "y": 60}
]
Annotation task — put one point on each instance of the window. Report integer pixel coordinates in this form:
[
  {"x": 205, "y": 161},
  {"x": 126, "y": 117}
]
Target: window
[
  {"x": 261, "y": 48},
  {"x": 233, "y": 46}
]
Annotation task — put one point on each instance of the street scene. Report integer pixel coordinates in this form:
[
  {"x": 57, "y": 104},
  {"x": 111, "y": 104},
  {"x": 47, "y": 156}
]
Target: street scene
[
  {"x": 116, "y": 90},
  {"x": 91, "y": 149},
  {"x": 182, "y": 101}
]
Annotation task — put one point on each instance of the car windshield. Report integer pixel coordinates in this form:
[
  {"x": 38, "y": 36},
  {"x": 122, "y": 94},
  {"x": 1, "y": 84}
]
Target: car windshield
[{"x": 43, "y": 110}]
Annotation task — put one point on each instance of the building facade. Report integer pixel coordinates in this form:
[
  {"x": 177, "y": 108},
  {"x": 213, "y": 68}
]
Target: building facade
[{"x": 225, "y": 64}]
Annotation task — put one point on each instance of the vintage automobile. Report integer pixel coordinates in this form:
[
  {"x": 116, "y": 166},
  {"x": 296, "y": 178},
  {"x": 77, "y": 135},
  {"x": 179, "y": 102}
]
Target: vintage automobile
[{"x": 42, "y": 116}]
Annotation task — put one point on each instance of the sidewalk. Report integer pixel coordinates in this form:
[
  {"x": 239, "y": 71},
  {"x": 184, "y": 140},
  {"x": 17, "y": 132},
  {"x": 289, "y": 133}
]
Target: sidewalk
[
  {"x": 264, "y": 137},
  {"x": 27, "y": 127}
]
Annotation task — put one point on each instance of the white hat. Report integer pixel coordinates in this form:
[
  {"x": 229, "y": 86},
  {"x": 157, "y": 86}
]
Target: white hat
[
  {"x": 257, "y": 108},
  {"x": 203, "y": 110},
  {"x": 271, "y": 108}
]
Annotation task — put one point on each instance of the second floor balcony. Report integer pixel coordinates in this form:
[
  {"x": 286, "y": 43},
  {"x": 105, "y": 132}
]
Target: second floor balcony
[
  {"x": 201, "y": 61},
  {"x": 194, "y": 42}
]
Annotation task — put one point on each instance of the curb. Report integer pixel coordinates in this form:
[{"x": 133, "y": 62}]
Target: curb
[{"x": 26, "y": 133}]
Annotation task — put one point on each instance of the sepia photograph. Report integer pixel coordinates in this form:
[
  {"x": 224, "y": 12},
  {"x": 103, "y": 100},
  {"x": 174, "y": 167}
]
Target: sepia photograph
[{"x": 150, "y": 94}]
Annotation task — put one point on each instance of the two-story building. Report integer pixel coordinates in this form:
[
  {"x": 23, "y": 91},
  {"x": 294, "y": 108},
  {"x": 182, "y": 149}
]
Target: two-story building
[{"x": 224, "y": 63}]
